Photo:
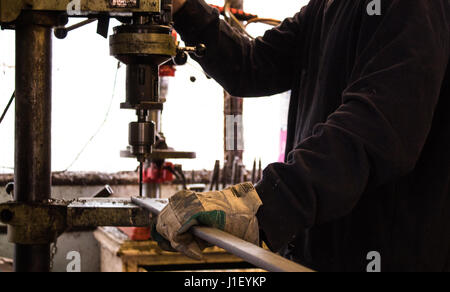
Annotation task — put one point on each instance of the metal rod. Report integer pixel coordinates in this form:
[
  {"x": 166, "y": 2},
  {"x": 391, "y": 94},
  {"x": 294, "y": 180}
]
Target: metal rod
[
  {"x": 80, "y": 24},
  {"x": 233, "y": 106},
  {"x": 251, "y": 253},
  {"x": 141, "y": 179},
  {"x": 32, "y": 171}
]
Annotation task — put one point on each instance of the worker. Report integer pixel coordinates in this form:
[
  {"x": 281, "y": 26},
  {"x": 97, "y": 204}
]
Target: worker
[{"x": 366, "y": 181}]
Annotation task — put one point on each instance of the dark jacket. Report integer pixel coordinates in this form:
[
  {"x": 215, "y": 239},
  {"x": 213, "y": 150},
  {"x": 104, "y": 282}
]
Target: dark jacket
[{"x": 368, "y": 163}]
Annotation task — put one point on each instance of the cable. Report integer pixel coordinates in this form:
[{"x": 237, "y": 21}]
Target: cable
[
  {"x": 101, "y": 125},
  {"x": 7, "y": 107},
  {"x": 178, "y": 173},
  {"x": 183, "y": 178},
  {"x": 230, "y": 15},
  {"x": 268, "y": 21},
  {"x": 243, "y": 28}
]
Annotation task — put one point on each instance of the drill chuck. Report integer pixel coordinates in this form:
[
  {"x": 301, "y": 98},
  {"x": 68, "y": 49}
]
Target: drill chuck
[{"x": 141, "y": 139}]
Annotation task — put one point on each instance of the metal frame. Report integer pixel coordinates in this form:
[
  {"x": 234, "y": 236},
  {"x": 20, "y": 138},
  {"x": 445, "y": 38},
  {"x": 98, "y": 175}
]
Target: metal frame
[{"x": 50, "y": 220}]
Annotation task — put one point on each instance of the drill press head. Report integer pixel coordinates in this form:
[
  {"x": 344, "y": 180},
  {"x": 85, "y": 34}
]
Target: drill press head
[{"x": 144, "y": 43}]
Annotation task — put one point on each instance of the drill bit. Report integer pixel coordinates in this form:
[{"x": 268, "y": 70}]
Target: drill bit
[{"x": 141, "y": 176}]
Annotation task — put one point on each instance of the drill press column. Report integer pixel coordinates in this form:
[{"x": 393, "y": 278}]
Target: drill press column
[{"x": 33, "y": 128}]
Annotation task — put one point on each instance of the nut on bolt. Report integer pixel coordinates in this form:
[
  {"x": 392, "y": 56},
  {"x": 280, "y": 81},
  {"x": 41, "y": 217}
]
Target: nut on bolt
[
  {"x": 6, "y": 216},
  {"x": 10, "y": 188}
]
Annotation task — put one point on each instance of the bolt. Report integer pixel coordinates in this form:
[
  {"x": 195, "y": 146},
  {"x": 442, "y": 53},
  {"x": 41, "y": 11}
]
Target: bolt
[
  {"x": 6, "y": 216},
  {"x": 10, "y": 188}
]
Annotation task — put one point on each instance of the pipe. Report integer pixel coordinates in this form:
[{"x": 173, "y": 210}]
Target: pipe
[
  {"x": 233, "y": 106},
  {"x": 249, "y": 252},
  {"x": 32, "y": 171}
]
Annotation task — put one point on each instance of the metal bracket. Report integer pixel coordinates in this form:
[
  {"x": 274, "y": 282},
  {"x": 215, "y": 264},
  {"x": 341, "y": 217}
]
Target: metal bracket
[
  {"x": 33, "y": 223},
  {"x": 41, "y": 223}
]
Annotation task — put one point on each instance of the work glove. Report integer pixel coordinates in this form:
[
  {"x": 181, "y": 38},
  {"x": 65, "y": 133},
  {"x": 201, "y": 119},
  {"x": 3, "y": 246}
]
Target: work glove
[{"x": 232, "y": 210}]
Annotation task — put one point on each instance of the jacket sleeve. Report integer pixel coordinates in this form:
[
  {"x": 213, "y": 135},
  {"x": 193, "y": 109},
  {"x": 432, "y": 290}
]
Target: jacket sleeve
[
  {"x": 377, "y": 133},
  {"x": 243, "y": 67}
]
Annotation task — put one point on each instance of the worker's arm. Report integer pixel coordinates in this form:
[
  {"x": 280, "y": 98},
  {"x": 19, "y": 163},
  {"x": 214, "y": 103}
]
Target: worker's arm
[
  {"x": 378, "y": 132},
  {"x": 243, "y": 67},
  {"x": 177, "y": 4}
]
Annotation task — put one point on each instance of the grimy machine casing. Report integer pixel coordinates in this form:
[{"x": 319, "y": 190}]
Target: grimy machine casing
[
  {"x": 143, "y": 42},
  {"x": 143, "y": 45}
]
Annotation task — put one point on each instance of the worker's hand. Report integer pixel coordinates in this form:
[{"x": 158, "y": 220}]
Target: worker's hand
[
  {"x": 177, "y": 4},
  {"x": 232, "y": 210}
]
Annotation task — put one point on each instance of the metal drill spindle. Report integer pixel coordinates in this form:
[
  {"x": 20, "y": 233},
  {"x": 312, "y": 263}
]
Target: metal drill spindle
[{"x": 141, "y": 178}]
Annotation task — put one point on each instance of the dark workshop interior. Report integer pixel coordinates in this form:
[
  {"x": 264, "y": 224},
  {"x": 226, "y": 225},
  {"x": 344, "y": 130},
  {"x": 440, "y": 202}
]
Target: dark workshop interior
[{"x": 128, "y": 143}]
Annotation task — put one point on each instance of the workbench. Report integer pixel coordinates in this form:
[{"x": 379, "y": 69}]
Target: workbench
[{"x": 119, "y": 254}]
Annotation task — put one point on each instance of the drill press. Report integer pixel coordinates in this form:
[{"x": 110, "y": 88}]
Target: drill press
[{"x": 144, "y": 43}]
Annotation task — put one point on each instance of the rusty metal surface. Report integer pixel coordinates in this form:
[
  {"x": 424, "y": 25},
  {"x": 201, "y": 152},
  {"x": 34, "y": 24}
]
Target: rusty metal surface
[
  {"x": 114, "y": 179},
  {"x": 10, "y": 9},
  {"x": 106, "y": 212},
  {"x": 158, "y": 154},
  {"x": 48, "y": 222},
  {"x": 84, "y": 178},
  {"x": 51, "y": 219},
  {"x": 33, "y": 109},
  {"x": 93, "y": 178},
  {"x": 141, "y": 44},
  {"x": 33, "y": 131},
  {"x": 251, "y": 253}
]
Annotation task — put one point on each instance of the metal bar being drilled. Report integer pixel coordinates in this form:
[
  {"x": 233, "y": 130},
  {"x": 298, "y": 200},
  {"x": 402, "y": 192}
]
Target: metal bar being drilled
[
  {"x": 252, "y": 254},
  {"x": 32, "y": 171}
]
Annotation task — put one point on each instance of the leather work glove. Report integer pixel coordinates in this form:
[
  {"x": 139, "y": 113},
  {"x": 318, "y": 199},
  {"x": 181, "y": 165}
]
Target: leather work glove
[{"x": 232, "y": 210}]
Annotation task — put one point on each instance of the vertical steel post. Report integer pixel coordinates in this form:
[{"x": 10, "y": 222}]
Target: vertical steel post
[
  {"x": 32, "y": 169},
  {"x": 233, "y": 106}
]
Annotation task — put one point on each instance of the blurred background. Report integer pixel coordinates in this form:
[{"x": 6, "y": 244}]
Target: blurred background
[{"x": 88, "y": 88}]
